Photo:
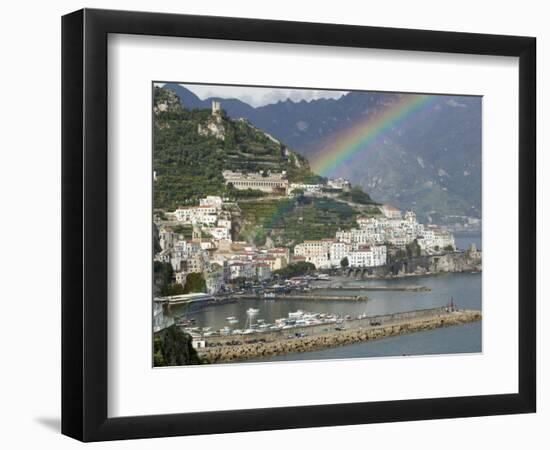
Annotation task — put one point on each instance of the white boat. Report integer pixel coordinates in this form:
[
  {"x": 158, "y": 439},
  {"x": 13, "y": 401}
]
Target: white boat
[
  {"x": 252, "y": 311},
  {"x": 233, "y": 321},
  {"x": 294, "y": 315},
  {"x": 230, "y": 318}
]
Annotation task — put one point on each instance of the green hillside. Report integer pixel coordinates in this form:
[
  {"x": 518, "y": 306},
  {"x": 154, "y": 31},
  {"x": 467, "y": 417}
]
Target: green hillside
[
  {"x": 189, "y": 164},
  {"x": 291, "y": 221}
]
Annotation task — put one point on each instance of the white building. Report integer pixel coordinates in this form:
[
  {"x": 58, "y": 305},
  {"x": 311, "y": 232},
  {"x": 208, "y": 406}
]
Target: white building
[
  {"x": 315, "y": 252},
  {"x": 338, "y": 251},
  {"x": 214, "y": 281},
  {"x": 196, "y": 263},
  {"x": 443, "y": 239},
  {"x": 390, "y": 211},
  {"x": 270, "y": 182},
  {"x": 368, "y": 256},
  {"x": 240, "y": 269},
  {"x": 281, "y": 256},
  {"x": 216, "y": 108},
  {"x": 207, "y": 244},
  {"x": 224, "y": 223},
  {"x": 263, "y": 271},
  {"x": 219, "y": 233},
  {"x": 205, "y": 214},
  {"x": 436, "y": 238},
  {"x": 307, "y": 188},
  {"x": 212, "y": 200},
  {"x": 166, "y": 238},
  {"x": 181, "y": 277},
  {"x": 338, "y": 183}
]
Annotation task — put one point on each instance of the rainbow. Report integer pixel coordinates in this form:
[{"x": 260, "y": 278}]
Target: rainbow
[{"x": 358, "y": 138}]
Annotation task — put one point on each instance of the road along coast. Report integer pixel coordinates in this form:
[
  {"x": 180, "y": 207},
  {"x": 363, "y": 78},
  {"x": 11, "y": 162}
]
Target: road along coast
[{"x": 311, "y": 338}]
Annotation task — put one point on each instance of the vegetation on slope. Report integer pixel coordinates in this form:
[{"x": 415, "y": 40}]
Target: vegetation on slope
[
  {"x": 291, "y": 221},
  {"x": 189, "y": 165}
]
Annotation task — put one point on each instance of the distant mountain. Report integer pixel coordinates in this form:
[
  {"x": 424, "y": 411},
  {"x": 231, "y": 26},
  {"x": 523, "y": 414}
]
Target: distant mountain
[{"x": 432, "y": 164}]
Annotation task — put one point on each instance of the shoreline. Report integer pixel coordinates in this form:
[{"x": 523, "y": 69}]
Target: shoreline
[
  {"x": 281, "y": 346},
  {"x": 408, "y": 275},
  {"x": 307, "y": 297},
  {"x": 350, "y": 287}
]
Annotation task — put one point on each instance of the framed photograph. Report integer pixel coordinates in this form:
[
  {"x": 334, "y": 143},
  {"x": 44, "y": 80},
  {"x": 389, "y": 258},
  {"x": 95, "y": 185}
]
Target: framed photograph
[{"x": 273, "y": 225}]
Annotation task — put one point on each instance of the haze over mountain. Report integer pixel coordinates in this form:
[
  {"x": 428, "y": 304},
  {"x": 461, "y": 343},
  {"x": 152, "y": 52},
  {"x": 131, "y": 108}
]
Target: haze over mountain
[{"x": 431, "y": 164}]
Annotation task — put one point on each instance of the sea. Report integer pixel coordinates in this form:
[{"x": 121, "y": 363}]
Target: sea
[{"x": 463, "y": 288}]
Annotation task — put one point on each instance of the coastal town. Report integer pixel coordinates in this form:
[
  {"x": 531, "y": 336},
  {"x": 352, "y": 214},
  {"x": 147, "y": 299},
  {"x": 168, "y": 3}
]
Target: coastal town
[
  {"x": 208, "y": 252},
  {"x": 222, "y": 260}
]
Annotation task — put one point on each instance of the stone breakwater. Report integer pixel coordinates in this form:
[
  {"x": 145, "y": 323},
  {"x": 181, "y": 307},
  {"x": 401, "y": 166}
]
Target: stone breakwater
[
  {"x": 284, "y": 346},
  {"x": 309, "y": 297}
]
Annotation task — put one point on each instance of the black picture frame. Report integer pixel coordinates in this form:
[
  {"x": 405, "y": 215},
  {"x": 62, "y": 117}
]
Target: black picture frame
[{"x": 84, "y": 224}]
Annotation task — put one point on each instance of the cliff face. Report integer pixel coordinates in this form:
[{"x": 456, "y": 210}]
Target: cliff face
[
  {"x": 455, "y": 262},
  {"x": 468, "y": 261}
]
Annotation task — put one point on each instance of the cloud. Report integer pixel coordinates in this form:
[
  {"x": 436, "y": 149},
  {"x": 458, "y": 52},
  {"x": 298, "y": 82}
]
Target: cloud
[
  {"x": 455, "y": 104},
  {"x": 259, "y": 96}
]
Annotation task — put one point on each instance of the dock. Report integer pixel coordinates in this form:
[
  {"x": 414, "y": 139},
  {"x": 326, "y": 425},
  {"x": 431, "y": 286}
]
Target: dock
[
  {"x": 408, "y": 288},
  {"x": 317, "y": 337},
  {"x": 310, "y": 296}
]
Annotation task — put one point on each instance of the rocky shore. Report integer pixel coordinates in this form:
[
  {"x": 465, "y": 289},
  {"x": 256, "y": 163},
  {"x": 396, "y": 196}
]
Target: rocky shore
[
  {"x": 284, "y": 346},
  {"x": 449, "y": 262}
]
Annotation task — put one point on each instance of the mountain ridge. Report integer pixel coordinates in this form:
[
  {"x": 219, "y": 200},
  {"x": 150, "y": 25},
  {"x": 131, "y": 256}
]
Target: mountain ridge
[{"x": 433, "y": 167}]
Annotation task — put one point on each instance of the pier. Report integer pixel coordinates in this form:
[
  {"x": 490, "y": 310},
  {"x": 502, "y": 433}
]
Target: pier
[
  {"x": 317, "y": 337},
  {"x": 409, "y": 288},
  {"x": 305, "y": 296}
]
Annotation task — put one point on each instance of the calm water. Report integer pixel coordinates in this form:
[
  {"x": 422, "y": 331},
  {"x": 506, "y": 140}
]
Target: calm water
[
  {"x": 462, "y": 241},
  {"x": 459, "y": 339},
  {"x": 464, "y": 288}
]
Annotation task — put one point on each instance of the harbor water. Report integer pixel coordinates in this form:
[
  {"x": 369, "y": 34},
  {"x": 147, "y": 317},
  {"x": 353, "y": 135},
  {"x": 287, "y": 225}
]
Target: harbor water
[
  {"x": 463, "y": 288},
  {"x": 463, "y": 240}
]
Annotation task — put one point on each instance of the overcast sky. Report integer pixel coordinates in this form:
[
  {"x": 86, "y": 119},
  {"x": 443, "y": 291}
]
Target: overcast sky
[{"x": 259, "y": 96}]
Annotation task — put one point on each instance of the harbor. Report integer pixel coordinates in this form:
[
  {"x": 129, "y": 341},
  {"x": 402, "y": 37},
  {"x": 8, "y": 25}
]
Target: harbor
[
  {"x": 221, "y": 328},
  {"x": 321, "y": 336},
  {"x": 306, "y": 296}
]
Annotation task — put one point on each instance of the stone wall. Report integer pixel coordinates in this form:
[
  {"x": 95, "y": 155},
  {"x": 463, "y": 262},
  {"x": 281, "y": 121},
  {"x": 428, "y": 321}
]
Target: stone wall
[{"x": 345, "y": 337}]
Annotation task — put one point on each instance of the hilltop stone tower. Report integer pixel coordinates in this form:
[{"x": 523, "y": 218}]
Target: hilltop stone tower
[{"x": 216, "y": 108}]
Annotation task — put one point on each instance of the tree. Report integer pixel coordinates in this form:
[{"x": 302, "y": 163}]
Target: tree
[
  {"x": 413, "y": 249},
  {"x": 295, "y": 270},
  {"x": 173, "y": 289},
  {"x": 260, "y": 236},
  {"x": 449, "y": 248},
  {"x": 357, "y": 195},
  {"x": 162, "y": 277},
  {"x": 172, "y": 347},
  {"x": 195, "y": 282},
  {"x": 344, "y": 262}
]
